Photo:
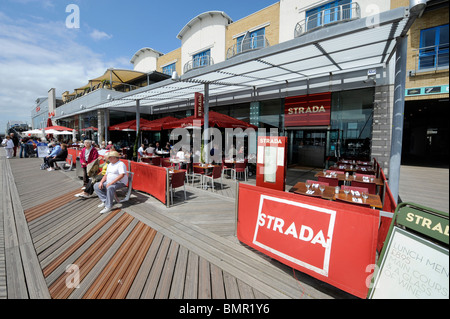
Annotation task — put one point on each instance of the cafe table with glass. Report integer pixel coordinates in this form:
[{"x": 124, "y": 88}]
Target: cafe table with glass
[
  {"x": 348, "y": 178},
  {"x": 336, "y": 193}
]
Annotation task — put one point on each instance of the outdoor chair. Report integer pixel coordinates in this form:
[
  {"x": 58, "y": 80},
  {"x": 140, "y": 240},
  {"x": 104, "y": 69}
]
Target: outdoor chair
[
  {"x": 196, "y": 172},
  {"x": 215, "y": 174},
  {"x": 240, "y": 167},
  {"x": 177, "y": 180},
  {"x": 166, "y": 163},
  {"x": 330, "y": 180},
  {"x": 371, "y": 187},
  {"x": 317, "y": 182},
  {"x": 354, "y": 188},
  {"x": 227, "y": 167}
]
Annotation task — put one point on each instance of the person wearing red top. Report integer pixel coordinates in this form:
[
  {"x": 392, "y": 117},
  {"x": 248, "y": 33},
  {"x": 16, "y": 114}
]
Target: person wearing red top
[{"x": 88, "y": 155}]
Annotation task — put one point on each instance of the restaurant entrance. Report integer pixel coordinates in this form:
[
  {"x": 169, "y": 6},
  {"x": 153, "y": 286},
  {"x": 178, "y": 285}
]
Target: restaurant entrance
[{"x": 307, "y": 147}]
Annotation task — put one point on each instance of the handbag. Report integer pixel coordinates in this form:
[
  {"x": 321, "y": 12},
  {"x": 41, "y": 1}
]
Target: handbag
[{"x": 93, "y": 168}]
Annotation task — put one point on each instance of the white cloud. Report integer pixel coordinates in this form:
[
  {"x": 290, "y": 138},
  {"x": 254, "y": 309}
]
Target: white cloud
[
  {"x": 38, "y": 56},
  {"x": 99, "y": 35}
]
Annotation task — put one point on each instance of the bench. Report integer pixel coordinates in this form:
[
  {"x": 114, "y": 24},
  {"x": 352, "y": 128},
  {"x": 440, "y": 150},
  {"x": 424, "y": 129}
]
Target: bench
[
  {"x": 129, "y": 189},
  {"x": 62, "y": 164}
]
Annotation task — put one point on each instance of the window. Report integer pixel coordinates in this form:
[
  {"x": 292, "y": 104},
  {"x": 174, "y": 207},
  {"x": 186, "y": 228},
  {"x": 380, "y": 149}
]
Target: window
[
  {"x": 202, "y": 59},
  {"x": 169, "y": 69},
  {"x": 251, "y": 40},
  {"x": 433, "y": 52},
  {"x": 328, "y": 13}
]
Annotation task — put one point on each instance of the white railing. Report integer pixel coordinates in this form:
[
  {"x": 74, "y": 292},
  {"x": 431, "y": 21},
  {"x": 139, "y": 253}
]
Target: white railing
[
  {"x": 326, "y": 17},
  {"x": 247, "y": 44},
  {"x": 430, "y": 58},
  {"x": 198, "y": 62}
]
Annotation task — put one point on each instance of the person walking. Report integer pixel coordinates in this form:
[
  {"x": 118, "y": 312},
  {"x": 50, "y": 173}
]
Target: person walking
[
  {"x": 115, "y": 178},
  {"x": 9, "y": 146},
  {"x": 23, "y": 147},
  {"x": 15, "y": 140}
]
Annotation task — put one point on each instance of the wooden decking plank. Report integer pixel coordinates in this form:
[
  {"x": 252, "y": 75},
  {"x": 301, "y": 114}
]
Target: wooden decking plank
[
  {"x": 85, "y": 263},
  {"x": 204, "y": 279},
  {"x": 61, "y": 223},
  {"x": 217, "y": 283},
  {"x": 245, "y": 291},
  {"x": 138, "y": 284},
  {"x": 108, "y": 279},
  {"x": 73, "y": 234},
  {"x": 191, "y": 283},
  {"x": 102, "y": 261},
  {"x": 164, "y": 284},
  {"x": 231, "y": 287},
  {"x": 37, "y": 211},
  {"x": 70, "y": 250},
  {"x": 177, "y": 287},
  {"x": 155, "y": 273},
  {"x": 128, "y": 277}
]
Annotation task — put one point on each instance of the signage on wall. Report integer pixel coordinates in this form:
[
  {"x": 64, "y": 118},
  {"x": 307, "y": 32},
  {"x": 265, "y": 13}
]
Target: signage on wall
[
  {"x": 428, "y": 90},
  {"x": 199, "y": 103},
  {"x": 308, "y": 110}
]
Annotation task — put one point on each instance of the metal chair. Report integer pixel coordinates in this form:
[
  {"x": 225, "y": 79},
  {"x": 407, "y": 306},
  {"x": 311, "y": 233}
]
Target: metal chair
[
  {"x": 215, "y": 174},
  {"x": 177, "y": 180},
  {"x": 240, "y": 167},
  {"x": 129, "y": 189}
]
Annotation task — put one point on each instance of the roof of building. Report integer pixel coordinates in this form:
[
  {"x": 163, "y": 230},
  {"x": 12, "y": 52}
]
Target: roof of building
[
  {"x": 200, "y": 17},
  {"x": 143, "y": 50}
]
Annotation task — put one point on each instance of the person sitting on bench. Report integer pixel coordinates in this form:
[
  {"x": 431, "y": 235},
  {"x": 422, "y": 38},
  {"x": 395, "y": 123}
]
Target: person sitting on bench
[
  {"x": 114, "y": 179},
  {"x": 61, "y": 157}
]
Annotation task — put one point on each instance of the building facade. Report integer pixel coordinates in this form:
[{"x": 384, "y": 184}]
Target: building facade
[
  {"x": 329, "y": 110},
  {"x": 426, "y": 126}
]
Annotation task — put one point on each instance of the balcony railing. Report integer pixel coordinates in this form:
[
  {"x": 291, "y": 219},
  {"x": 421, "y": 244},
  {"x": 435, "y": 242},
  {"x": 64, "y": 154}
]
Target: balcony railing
[
  {"x": 197, "y": 63},
  {"x": 249, "y": 43},
  {"x": 430, "y": 59},
  {"x": 326, "y": 17}
]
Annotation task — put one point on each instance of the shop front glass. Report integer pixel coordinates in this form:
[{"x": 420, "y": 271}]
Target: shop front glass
[{"x": 351, "y": 124}]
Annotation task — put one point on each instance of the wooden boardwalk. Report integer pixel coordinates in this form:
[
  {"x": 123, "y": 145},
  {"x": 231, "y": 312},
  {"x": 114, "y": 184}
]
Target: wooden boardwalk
[{"x": 53, "y": 245}]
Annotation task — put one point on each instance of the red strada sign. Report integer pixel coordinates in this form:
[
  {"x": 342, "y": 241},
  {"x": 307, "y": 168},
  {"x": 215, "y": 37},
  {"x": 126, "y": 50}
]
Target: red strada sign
[
  {"x": 199, "y": 103},
  {"x": 308, "y": 110},
  {"x": 331, "y": 241}
]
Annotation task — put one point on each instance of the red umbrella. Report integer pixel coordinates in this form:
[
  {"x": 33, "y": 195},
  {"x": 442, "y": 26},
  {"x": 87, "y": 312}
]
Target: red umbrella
[
  {"x": 157, "y": 125},
  {"x": 49, "y": 122},
  {"x": 215, "y": 119},
  {"x": 90, "y": 129},
  {"x": 128, "y": 126},
  {"x": 58, "y": 128}
]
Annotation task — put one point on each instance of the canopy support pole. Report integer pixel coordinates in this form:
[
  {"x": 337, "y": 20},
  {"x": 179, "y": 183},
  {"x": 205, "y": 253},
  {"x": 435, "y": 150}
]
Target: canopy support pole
[
  {"x": 398, "y": 116},
  {"x": 206, "y": 124}
]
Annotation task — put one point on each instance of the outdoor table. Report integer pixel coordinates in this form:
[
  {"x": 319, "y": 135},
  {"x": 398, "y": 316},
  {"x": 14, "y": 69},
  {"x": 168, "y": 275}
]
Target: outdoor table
[
  {"x": 163, "y": 153},
  {"x": 342, "y": 178},
  {"x": 148, "y": 158},
  {"x": 329, "y": 193},
  {"x": 353, "y": 168},
  {"x": 177, "y": 162}
]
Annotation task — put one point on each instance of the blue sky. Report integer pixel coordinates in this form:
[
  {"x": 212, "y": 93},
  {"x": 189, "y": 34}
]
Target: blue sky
[{"x": 39, "y": 52}]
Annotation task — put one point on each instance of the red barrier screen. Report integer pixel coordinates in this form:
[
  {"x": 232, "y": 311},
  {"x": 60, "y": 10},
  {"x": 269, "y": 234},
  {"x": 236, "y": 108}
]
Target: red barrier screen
[
  {"x": 150, "y": 179},
  {"x": 333, "y": 242}
]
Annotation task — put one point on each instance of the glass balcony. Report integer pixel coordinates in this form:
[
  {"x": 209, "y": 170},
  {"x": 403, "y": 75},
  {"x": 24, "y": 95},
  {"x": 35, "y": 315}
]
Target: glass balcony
[
  {"x": 248, "y": 43},
  {"x": 329, "y": 16},
  {"x": 430, "y": 59},
  {"x": 198, "y": 62}
]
